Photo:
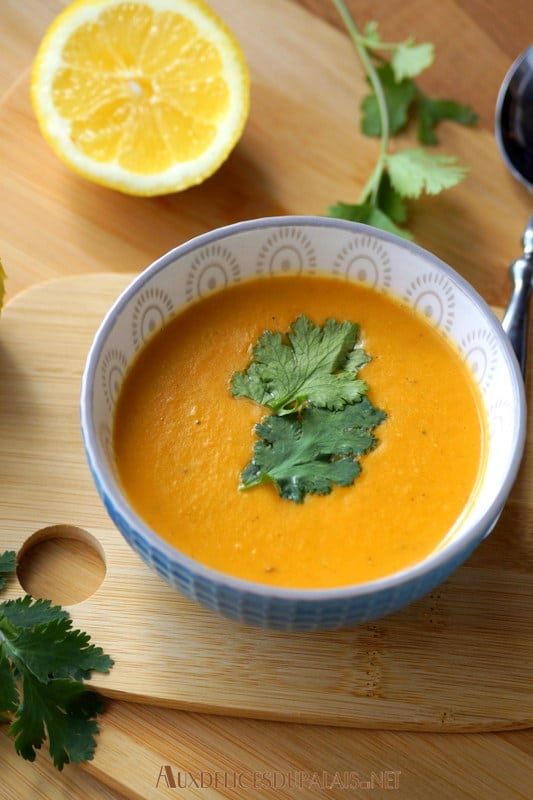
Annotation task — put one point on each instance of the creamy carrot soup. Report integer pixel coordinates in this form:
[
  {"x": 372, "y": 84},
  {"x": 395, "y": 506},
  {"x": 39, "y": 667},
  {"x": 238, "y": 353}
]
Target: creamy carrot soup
[{"x": 181, "y": 440}]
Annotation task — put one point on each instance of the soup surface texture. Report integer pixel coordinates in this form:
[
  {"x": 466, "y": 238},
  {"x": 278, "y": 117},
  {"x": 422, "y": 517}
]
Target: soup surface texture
[{"x": 181, "y": 440}]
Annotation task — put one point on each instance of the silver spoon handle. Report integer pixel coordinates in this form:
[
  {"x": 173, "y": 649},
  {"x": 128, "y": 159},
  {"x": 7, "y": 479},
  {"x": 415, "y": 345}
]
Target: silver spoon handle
[{"x": 515, "y": 319}]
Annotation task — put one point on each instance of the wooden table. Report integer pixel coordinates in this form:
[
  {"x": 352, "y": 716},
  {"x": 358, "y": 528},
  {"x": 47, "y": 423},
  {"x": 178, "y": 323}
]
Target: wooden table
[{"x": 475, "y": 46}]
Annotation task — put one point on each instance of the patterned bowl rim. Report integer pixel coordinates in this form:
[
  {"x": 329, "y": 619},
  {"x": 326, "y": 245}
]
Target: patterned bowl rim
[{"x": 463, "y": 542}]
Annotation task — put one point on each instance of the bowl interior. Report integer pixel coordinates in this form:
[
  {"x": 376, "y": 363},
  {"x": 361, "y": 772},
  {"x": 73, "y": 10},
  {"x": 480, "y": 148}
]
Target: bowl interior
[{"x": 291, "y": 246}]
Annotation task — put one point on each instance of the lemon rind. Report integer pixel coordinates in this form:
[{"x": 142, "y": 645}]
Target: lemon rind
[{"x": 56, "y": 128}]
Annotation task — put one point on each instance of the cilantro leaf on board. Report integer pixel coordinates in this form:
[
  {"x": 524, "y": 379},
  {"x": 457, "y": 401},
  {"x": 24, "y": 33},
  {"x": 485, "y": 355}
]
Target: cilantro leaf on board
[
  {"x": 390, "y": 201},
  {"x": 432, "y": 111},
  {"x": 410, "y": 59},
  {"x": 8, "y": 564},
  {"x": 390, "y": 209},
  {"x": 68, "y": 652},
  {"x": 8, "y": 687},
  {"x": 415, "y": 170},
  {"x": 25, "y": 612},
  {"x": 398, "y": 94},
  {"x": 312, "y": 364},
  {"x": 43, "y": 662},
  {"x": 372, "y": 35},
  {"x": 369, "y": 214},
  {"x": 62, "y": 711},
  {"x": 308, "y": 454},
  {"x": 403, "y": 97}
]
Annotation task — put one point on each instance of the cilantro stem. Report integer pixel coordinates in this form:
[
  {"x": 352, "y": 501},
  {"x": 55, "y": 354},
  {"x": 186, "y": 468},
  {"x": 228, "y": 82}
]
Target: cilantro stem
[{"x": 371, "y": 188}]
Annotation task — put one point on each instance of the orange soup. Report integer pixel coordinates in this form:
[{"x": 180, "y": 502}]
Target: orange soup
[{"x": 181, "y": 440}]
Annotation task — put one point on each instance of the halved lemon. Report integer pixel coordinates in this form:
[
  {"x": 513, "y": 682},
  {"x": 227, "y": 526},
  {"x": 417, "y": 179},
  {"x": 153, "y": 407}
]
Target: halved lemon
[{"x": 144, "y": 96}]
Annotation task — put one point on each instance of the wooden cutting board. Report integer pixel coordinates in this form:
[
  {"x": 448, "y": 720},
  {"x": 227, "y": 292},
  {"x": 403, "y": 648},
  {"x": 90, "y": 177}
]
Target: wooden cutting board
[
  {"x": 460, "y": 659},
  {"x": 142, "y": 749}
]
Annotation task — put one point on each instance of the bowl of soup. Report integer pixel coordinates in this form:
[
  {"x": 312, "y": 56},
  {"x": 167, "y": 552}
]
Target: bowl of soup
[{"x": 302, "y": 423}]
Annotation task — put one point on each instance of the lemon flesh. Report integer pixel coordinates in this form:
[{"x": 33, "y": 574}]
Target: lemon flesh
[{"x": 146, "y": 97}]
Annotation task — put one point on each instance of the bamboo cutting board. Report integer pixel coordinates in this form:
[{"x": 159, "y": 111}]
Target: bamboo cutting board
[{"x": 460, "y": 659}]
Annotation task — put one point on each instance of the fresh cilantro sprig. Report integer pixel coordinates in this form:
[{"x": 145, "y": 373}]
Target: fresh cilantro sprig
[
  {"x": 43, "y": 663},
  {"x": 322, "y": 421},
  {"x": 395, "y": 97}
]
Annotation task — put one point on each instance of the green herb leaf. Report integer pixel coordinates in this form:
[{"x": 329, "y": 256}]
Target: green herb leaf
[
  {"x": 368, "y": 214},
  {"x": 307, "y": 455},
  {"x": 61, "y": 710},
  {"x": 312, "y": 364},
  {"x": 399, "y": 95},
  {"x": 431, "y": 112},
  {"x": 9, "y": 698},
  {"x": 372, "y": 35},
  {"x": 415, "y": 170},
  {"x": 389, "y": 209},
  {"x": 53, "y": 648},
  {"x": 390, "y": 201},
  {"x": 410, "y": 59},
  {"x": 48, "y": 660},
  {"x": 8, "y": 564},
  {"x": 25, "y": 612}
]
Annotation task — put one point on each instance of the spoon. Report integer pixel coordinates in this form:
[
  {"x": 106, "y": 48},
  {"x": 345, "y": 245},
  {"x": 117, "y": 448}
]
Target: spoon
[{"x": 514, "y": 135}]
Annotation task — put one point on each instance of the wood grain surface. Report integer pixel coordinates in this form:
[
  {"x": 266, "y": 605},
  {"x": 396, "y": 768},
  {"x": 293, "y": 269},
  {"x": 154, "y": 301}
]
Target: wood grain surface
[
  {"x": 302, "y": 762},
  {"x": 301, "y": 151}
]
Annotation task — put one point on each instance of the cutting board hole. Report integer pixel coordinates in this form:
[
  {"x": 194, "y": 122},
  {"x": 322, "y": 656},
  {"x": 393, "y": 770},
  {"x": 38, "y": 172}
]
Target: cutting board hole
[{"x": 61, "y": 563}]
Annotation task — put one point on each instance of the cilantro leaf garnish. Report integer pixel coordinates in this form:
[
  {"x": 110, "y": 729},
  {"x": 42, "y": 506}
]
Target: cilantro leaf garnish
[
  {"x": 312, "y": 364},
  {"x": 43, "y": 663},
  {"x": 394, "y": 99},
  {"x": 321, "y": 421},
  {"x": 8, "y": 564},
  {"x": 308, "y": 454}
]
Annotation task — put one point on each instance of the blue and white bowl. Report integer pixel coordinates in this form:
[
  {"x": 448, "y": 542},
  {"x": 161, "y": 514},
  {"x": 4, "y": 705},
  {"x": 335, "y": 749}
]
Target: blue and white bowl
[{"x": 300, "y": 245}]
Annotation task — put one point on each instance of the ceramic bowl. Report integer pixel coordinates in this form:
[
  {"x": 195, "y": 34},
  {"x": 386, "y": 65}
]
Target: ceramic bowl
[{"x": 299, "y": 245}]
